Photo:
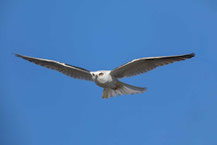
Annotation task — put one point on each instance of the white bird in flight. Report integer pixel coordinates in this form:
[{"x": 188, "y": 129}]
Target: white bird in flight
[{"x": 108, "y": 79}]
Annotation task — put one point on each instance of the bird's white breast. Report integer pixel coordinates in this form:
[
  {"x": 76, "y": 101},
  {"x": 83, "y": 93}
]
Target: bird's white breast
[{"x": 106, "y": 80}]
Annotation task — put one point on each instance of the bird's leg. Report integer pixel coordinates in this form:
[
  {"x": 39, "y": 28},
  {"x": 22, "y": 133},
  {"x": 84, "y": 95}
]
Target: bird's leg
[{"x": 116, "y": 88}]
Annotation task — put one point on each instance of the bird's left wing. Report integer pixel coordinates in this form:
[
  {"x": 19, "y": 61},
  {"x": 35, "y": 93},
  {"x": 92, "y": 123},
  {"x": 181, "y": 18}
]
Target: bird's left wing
[
  {"x": 72, "y": 71},
  {"x": 142, "y": 65}
]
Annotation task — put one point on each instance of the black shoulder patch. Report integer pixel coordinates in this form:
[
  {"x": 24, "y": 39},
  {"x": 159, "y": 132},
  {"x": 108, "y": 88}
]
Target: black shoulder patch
[{"x": 77, "y": 67}]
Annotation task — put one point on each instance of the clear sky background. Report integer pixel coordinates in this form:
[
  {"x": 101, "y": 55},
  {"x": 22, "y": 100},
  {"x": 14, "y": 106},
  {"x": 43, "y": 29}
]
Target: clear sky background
[{"x": 39, "y": 106}]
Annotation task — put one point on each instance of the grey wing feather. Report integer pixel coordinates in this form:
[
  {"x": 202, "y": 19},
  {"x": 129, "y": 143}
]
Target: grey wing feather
[
  {"x": 72, "y": 71},
  {"x": 142, "y": 65}
]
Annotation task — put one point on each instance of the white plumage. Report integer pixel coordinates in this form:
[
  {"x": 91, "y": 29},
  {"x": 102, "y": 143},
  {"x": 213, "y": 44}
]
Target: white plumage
[{"x": 109, "y": 79}]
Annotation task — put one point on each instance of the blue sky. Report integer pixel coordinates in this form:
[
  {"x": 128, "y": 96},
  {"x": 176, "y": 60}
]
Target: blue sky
[{"x": 43, "y": 107}]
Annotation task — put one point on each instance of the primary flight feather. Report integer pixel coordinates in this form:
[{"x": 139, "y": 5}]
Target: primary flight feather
[{"x": 108, "y": 79}]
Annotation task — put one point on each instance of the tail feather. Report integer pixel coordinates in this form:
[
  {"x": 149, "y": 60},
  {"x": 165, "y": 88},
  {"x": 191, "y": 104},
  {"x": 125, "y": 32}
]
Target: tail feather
[{"x": 122, "y": 88}]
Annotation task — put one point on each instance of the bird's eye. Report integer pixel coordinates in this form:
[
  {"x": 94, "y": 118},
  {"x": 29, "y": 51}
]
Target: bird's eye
[
  {"x": 93, "y": 74},
  {"x": 100, "y": 74}
]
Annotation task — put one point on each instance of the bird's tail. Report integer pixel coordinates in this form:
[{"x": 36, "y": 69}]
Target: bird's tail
[{"x": 121, "y": 89}]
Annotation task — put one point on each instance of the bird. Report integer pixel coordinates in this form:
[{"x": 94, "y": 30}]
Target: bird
[{"x": 109, "y": 79}]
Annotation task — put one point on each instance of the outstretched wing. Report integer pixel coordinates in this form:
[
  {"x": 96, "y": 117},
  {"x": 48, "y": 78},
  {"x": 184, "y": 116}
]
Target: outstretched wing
[
  {"x": 72, "y": 71},
  {"x": 142, "y": 65}
]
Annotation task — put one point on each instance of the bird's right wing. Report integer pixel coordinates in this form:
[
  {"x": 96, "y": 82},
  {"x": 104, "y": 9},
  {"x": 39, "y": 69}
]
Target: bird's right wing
[
  {"x": 72, "y": 71},
  {"x": 142, "y": 65}
]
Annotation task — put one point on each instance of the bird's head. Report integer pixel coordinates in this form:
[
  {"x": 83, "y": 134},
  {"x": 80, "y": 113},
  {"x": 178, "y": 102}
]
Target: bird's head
[{"x": 96, "y": 75}]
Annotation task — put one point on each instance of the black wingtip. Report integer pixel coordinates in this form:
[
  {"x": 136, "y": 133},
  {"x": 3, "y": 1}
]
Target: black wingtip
[
  {"x": 17, "y": 55},
  {"x": 190, "y": 55},
  {"x": 193, "y": 54}
]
